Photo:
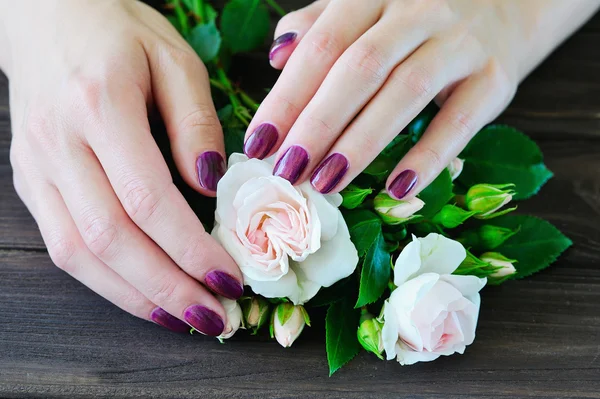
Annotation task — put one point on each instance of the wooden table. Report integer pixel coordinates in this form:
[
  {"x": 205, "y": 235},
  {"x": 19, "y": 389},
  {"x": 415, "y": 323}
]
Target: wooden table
[{"x": 538, "y": 337}]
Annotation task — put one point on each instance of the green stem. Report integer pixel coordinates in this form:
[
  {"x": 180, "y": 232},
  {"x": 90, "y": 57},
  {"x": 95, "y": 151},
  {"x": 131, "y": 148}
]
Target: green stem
[
  {"x": 181, "y": 17},
  {"x": 248, "y": 101},
  {"x": 198, "y": 10},
  {"x": 276, "y": 7}
]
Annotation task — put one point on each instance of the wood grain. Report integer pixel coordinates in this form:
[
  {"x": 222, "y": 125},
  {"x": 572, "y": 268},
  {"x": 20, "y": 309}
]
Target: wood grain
[{"x": 537, "y": 338}]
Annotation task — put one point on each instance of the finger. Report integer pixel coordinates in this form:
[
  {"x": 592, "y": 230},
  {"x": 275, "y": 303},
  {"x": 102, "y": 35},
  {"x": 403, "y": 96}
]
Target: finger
[
  {"x": 410, "y": 87},
  {"x": 69, "y": 253},
  {"x": 181, "y": 91},
  {"x": 114, "y": 239},
  {"x": 305, "y": 71},
  {"x": 142, "y": 182},
  {"x": 353, "y": 80},
  {"x": 475, "y": 102},
  {"x": 291, "y": 29}
]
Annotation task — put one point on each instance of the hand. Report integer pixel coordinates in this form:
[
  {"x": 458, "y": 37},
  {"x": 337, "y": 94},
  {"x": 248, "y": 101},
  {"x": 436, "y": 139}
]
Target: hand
[
  {"x": 357, "y": 72},
  {"x": 82, "y": 75}
]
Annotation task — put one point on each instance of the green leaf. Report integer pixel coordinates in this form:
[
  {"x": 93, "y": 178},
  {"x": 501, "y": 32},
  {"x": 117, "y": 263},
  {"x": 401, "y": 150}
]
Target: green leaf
[
  {"x": 233, "y": 130},
  {"x": 500, "y": 154},
  {"x": 353, "y": 196},
  {"x": 205, "y": 40},
  {"x": 417, "y": 126},
  {"x": 364, "y": 226},
  {"x": 341, "y": 324},
  {"x": 245, "y": 24},
  {"x": 436, "y": 195},
  {"x": 536, "y": 245},
  {"x": 375, "y": 272},
  {"x": 335, "y": 293},
  {"x": 381, "y": 166}
]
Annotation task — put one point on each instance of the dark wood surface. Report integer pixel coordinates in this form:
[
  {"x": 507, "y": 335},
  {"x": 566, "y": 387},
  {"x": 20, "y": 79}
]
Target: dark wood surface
[{"x": 537, "y": 338}]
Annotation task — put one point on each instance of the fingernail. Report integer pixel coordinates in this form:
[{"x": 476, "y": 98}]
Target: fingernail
[
  {"x": 291, "y": 165},
  {"x": 210, "y": 167},
  {"x": 282, "y": 41},
  {"x": 224, "y": 284},
  {"x": 329, "y": 173},
  {"x": 204, "y": 320},
  {"x": 403, "y": 183},
  {"x": 162, "y": 318},
  {"x": 261, "y": 141}
]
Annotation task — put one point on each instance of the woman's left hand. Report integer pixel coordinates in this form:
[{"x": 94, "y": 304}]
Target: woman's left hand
[{"x": 357, "y": 72}]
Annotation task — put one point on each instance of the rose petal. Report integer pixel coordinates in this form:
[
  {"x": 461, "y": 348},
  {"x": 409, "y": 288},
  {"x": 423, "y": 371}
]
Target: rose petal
[
  {"x": 325, "y": 210},
  {"x": 407, "y": 356},
  {"x": 335, "y": 260},
  {"x": 440, "y": 254},
  {"x": 408, "y": 263},
  {"x": 286, "y": 286},
  {"x": 467, "y": 285}
]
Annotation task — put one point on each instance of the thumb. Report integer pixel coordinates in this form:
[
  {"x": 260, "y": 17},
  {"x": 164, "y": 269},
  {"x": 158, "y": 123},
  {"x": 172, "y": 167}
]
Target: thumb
[
  {"x": 291, "y": 29},
  {"x": 181, "y": 91}
]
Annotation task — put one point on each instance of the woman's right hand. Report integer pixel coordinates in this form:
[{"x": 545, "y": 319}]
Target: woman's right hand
[{"x": 82, "y": 75}]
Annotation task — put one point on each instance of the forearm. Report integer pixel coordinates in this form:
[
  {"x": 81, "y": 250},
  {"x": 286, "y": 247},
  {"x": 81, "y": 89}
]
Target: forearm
[{"x": 546, "y": 24}]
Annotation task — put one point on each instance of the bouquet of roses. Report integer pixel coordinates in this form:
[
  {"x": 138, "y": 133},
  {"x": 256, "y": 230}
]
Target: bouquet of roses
[{"x": 400, "y": 279}]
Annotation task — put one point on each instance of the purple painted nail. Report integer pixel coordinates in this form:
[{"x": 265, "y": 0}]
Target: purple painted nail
[
  {"x": 282, "y": 41},
  {"x": 291, "y": 165},
  {"x": 261, "y": 141},
  {"x": 329, "y": 173},
  {"x": 403, "y": 183},
  {"x": 210, "y": 167},
  {"x": 204, "y": 320},
  {"x": 162, "y": 318},
  {"x": 224, "y": 284}
]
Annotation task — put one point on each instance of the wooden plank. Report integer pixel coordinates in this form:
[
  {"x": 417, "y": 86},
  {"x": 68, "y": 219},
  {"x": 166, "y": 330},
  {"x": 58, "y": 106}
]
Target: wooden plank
[{"x": 537, "y": 338}]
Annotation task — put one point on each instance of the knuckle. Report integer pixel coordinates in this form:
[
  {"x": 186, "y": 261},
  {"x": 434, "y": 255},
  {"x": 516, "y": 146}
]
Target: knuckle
[
  {"x": 499, "y": 78},
  {"x": 288, "y": 107},
  {"x": 100, "y": 234},
  {"x": 463, "y": 125},
  {"x": 434, "y": 158},
  {"x": 61, "y": 249},
  {"x": 89, "y": 92},
  {"x": 193, "y": 256},
  {"x": 39, "y": 127},
  {"x": 418, "y": 81},
  {"x": 141, "y": 199},
  {"x": 161, "y": 289},
  {"x": 184, "y": 58},
  {"x": 201, "y": 118},
  {"x": 323, "y": 45},
  {"x": 318, "y": 126},
  {"x": 367, "y": 62}
]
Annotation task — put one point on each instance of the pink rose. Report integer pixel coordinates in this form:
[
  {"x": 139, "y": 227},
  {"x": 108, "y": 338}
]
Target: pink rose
[
  {"x": 432, "y": 312},
  {"x": 289, "y": 241}
]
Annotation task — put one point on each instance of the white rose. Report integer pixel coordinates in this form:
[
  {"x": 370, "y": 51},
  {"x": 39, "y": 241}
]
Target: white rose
[
  {"x": 234, "y": 317},
  {"x": 432, "y": 312},
  {"x": 288, "y": 241}
]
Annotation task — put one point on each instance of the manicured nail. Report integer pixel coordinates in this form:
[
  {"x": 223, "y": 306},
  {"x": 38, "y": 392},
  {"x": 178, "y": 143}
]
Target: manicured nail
[
  {"x": 403, "y": 183},
  {"x": 284, "y": 40},
  {"x": 210, "y": 167},
  {"x": 291, "y": 165},
  {"x": 204, "y": 320},
  {"x": 329, "y": 173},
  {"x": 261, "y": 141},
  {"x": 162, "y": 318},
  {"x": 224, "y": 284}
]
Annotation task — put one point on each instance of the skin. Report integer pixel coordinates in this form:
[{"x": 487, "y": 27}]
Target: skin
[
  {"x": 359, "y": 71},
  {"x": 84, "y": 73}
]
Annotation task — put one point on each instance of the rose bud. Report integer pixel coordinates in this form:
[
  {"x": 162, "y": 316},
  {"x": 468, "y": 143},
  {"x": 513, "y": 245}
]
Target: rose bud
[
  {"x": 393, "y": 211},
  {"x": 256, "y": 312},
  {"x": 451, "y": 216},
  {"x": 493, "y": 236},
  {"x": 234, "y": 318},
  {"x": 486, "y": 199},
  {"x": 369, "y": 334},
  {"x": 504, "y": 267},
  {"x": 287, "y": 323},
  {"x": 455, "y": 167}
]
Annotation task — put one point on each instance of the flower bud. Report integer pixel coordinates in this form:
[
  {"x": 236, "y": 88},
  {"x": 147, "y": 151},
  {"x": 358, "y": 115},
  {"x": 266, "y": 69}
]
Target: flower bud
[
  {"x": 486, "y": 199},
  {"x": 287, "y": 323},
  {"x": 369, "y": 334},
  {"x": 455, "y": 168},
  {"x": 234, "y": 318},
  {"x": 451, "y": 216},
  {"x": 493, "y": 236},
  {"x": 256, "y": 312},
  {"x": 474, "y": 266},
  {"x": 393, "y": 211},
  {"x": 503, "y": 267}
]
